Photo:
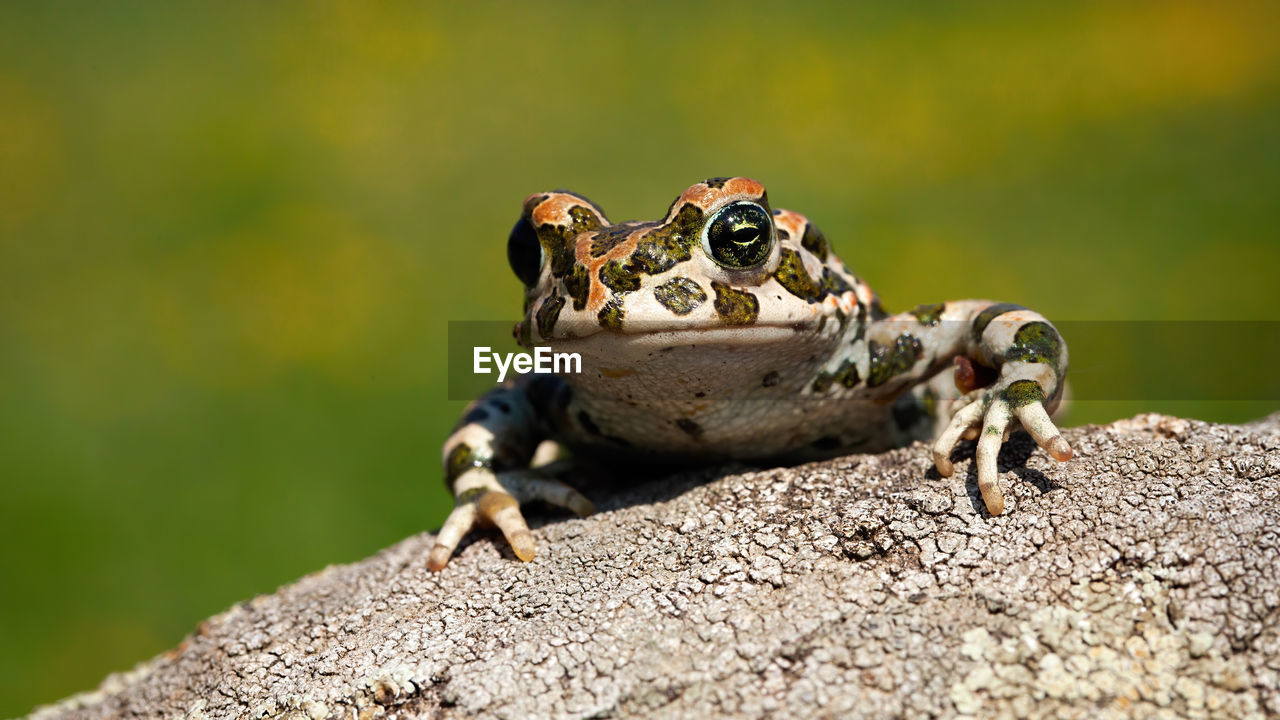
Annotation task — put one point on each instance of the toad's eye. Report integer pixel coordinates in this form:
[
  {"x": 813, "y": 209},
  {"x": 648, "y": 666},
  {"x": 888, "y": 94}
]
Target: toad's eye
[
  {"x": 524, "y": 252},
  {"x": 740, "y": 235}
]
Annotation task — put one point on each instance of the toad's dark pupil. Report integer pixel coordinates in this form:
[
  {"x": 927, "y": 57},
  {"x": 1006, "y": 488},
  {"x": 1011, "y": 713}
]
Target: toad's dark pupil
[
  {"x": 524, "y": 253},
  {"x": 740, "y": 236}
]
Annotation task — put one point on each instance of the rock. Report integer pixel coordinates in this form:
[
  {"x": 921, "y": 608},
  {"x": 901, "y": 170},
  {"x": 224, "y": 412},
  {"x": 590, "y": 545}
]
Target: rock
[{"x": 1140, "y": 579}]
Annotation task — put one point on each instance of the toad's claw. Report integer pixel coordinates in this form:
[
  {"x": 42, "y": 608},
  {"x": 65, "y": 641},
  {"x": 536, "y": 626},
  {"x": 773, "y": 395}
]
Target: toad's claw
[
  {"x": 502, "y": 510},
  {"x": 458, "y": 524},
  {"x": 993, "y": 432},
  {"x": 1037, "y": 423},
  {"x": 484, "y": 497}
]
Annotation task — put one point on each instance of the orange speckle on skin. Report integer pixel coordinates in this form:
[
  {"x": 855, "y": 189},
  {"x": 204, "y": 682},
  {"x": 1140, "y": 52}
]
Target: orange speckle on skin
[
  {"x": 792, "y": 222},
  {"x": 705, "y": 196},
  {"x": 745, "y": 186},
  {"x": 555, "y": 209}
]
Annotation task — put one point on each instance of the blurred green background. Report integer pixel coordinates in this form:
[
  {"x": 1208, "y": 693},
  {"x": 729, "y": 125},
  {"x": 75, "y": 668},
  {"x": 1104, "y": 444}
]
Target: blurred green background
[{"x": 231, "y": 236}]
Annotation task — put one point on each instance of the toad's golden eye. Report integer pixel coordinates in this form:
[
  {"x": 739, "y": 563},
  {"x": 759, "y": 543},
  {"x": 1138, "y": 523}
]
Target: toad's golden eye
[
  {"x": 524, "y": 252},
  {"x": 740, "y": 235}
]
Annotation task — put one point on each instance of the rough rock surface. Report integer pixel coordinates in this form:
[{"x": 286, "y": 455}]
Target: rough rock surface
[{"x": 1141, "y": 579}]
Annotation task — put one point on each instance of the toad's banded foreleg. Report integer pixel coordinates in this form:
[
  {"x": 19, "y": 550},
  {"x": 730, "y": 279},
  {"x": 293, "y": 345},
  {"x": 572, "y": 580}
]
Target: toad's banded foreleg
[
  {"x": 1026, "y": 353},
  {"x": 486, "y": 465}
]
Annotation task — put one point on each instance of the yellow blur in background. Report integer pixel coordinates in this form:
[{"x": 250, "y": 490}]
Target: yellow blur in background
[{"x": 232, "y": 236}]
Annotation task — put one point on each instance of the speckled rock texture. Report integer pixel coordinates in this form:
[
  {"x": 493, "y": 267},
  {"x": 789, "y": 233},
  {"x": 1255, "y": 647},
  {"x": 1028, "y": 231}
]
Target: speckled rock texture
[{"x": 1140, "y": 579}]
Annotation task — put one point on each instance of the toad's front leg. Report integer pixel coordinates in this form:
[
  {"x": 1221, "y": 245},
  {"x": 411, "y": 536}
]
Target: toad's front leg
[
  {"x": 486, "y": 465},
  {"x": 1029, "y": 359}
]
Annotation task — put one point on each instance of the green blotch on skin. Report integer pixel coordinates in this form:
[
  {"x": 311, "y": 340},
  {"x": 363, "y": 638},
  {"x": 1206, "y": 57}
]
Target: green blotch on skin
[
  {"x": 461, "y": 459},
  {"x": 862, "y": 323},
  {"x": 610, "y": 237},
  {"x": 618, "y": 278},
  {"x": 1022, "y": 393},
  {"x": 833, "y": 283},
  {"x": 577, "y": 285},
  {"x": 929, "y": 315},
  {"x": 842, "y": 319},
  {"x": 557, "y": 240},
  {"x": 792, "y": 276},
  {"x": 661, "y": 248},
  {"x": 985, "y": 317},
  {"x": 611, "y": 315},
  {"x": 548, "y": 313},
  {"x": 847, "y": 374},
  {"x": 680, "y": 295},
  {"x": 735, "y": 307},
  {"x": 1036, "y": 342},
  {"x": 815, "y": 242},
  {"x": 471, "y": 495},
  {"x": 822, "y": 381},
  {"x": 890, "y": 361}
]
